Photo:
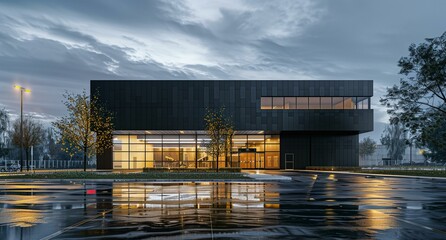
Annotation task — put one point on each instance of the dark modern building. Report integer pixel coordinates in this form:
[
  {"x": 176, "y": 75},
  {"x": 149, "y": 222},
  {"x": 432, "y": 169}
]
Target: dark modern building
[{"x": 279, "y": 124}]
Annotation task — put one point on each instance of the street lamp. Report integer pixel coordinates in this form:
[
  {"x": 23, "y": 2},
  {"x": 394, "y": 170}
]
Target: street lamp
[{"x": 22, "y": 89}]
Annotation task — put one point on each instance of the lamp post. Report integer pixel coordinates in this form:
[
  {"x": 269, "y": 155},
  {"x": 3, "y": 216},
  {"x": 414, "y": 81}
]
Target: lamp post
[{"x": 22, "y": 89}]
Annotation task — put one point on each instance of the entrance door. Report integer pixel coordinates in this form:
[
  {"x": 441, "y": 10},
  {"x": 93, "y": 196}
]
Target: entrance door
[
  {"x": 289, "y": 160},
  {"x": 260, "y": 160},
  {"x": 247, "y": 159}
]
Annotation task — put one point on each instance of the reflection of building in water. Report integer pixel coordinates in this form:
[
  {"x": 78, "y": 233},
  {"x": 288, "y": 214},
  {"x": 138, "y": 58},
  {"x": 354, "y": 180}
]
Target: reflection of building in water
[{"x": 194, "y": 199}]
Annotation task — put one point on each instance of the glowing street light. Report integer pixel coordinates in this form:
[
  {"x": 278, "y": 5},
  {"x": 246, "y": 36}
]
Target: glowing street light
[{"x": 22, "y": 89}]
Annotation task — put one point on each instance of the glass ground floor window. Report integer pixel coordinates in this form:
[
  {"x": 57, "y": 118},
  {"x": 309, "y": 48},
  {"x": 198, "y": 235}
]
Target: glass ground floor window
[{"x": 247, "y": 151}]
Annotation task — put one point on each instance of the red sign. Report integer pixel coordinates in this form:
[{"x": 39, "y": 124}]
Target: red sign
[{"x": 91, "y": 191}]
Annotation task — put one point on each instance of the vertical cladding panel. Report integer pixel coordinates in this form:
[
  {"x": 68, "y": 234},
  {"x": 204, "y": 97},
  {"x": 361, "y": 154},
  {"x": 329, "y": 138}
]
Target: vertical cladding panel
[
  {"x": 334, "y": 150},
  {"x": 104, "y": 160},
  {"x": 134, "y": 113},
  {"x": 295, "y": 90},
  {"x": 299, "y": 145},
  {"x": 232, "y": 95},
  {"x": 206, "y": 96},
  {"x": 321, "y": 88},
  {"x": 274, "y": 89}
]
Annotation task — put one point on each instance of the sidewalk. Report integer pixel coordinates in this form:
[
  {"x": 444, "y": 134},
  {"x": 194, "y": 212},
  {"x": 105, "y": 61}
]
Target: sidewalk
[
  {"x": 267, "y": 177},
  {"x": 369, "y": 174}
]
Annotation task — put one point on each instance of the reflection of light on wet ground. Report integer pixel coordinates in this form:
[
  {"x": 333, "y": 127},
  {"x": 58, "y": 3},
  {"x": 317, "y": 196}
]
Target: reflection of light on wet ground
[
  {"x": 23, "y": 199},
  {"x": 377, "y": 220},
  {"x": 235, "y": 195},
  {"x": 326, "y": 206},
  {"x": 375, "y": 192},
  {"x": 21, "y": 217}
]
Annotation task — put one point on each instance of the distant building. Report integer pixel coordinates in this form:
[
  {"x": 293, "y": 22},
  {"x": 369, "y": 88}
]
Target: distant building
[{"x": 381, "y": 152}]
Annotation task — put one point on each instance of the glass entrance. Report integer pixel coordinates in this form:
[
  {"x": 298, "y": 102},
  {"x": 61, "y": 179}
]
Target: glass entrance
[{"x": 247, "y": 159}]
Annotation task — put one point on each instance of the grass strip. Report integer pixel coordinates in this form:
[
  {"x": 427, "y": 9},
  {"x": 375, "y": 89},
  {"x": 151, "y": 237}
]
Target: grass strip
[
  {"x": 422, "y": 173},
  {"x": 144, "y": 176}
]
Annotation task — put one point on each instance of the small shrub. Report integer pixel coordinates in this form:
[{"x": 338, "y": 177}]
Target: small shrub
[{"x": 230, "y": 170}]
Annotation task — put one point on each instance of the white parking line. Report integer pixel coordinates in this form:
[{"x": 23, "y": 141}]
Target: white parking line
[
  {"x": 412, "y": 223},
  {"x": 51, "y": 236}
]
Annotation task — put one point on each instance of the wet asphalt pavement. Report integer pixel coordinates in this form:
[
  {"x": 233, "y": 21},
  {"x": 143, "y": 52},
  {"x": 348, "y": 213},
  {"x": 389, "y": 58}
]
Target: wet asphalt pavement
[{"x": 322, "y": 206}]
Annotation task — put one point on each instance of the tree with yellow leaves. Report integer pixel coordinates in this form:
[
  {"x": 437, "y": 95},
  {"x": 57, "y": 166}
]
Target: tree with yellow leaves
[
  {"x": 220, "y": 130},
  {"x": 87, "y": 127}
]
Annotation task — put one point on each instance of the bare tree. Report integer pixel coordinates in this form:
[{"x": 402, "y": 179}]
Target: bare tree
[
  {"x": 33, "y": 134},
  {"x": 394, "y": 138},
  {"x": 87, "y": 128},
  {"x": 366, "y": 147},
  {"x": 4, "y": 126}
]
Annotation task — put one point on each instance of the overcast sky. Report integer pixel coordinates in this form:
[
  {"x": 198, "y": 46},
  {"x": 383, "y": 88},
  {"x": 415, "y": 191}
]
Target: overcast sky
[{"x": 53, "y": 46}]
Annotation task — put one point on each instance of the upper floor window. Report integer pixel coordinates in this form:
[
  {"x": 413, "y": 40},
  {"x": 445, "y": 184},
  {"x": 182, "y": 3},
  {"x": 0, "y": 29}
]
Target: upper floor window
[
  {"x": 266, "y": 103},
  {"x": 302, "y": 102},
  {"x": 290, "y": 103},
  {"x": 277, "y": 102},
  {"x": 315, "y": 103}
]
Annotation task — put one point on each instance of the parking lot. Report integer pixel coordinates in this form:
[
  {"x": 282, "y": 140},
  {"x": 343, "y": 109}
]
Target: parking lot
[{"x": 311, "y": 206}]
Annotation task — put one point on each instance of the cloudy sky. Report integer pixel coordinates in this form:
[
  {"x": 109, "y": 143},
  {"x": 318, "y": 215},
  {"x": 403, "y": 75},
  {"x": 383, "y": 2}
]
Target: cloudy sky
[{"x": 53, "y": 46}]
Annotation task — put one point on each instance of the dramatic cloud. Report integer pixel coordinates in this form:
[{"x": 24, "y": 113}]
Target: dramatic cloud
[{"x": 53, "y": 46}]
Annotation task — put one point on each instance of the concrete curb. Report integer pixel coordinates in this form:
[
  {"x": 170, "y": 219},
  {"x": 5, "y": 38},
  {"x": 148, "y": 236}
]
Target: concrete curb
[
  {"x": 269, "y": 177},
  {"x": 369, "y": 174},
  {"x": 251, "y": 180}
]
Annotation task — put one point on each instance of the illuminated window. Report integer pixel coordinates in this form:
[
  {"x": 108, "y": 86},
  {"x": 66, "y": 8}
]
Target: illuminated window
[
  {"x": 120, "y": 138},
  {"x": 290, "y": 103},
  {"x": 338, "y": 103},
  {"x": 302, "y": 102},
  {"x": 325, "y": 102},
  {"x": 314, "y": 103},
  {"x": 189, "y": 151},
  {"x": 272, "y": 160},
  {"x": 266, "y": 103},
  {"x": 349, "y": 103},
  {"x": 362, "y": 102},
  {"x": 277, "y": 102}
]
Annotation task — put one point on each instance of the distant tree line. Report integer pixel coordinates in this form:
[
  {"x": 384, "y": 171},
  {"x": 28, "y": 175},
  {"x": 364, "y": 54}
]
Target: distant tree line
[
  {"x": 86, "y": 130},
  {"x": 43, "y": 140}
]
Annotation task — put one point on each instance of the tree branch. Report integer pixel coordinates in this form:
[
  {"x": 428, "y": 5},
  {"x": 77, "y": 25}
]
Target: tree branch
[{"x": 432, "y": 106}]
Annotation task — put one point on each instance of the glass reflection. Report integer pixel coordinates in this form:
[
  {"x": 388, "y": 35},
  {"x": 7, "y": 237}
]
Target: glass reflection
[
  {"x": 314, "y": 103},
  {"x": 290, "y": 103},
  {"x": 189, "y": 151},
  {"x": 302, "y": 103},
  {"x": 277, "y": 102},
  {"x": 266, "y": 103},
  {"x": 325, "y": 103},
  {"x": 171, "y": 200}
]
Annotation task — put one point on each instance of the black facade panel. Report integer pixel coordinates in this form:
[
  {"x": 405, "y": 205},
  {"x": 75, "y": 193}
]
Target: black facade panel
[
  {"x": 320, "y": 149},
  {"x": 104, "y": 160},
  {"x": 180, "y": 105},
  {"x": 314, "y": 137}
]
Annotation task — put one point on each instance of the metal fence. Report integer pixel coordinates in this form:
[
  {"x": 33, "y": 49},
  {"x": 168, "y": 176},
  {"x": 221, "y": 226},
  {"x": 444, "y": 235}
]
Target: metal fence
[{"x": 50, "y": 164}]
